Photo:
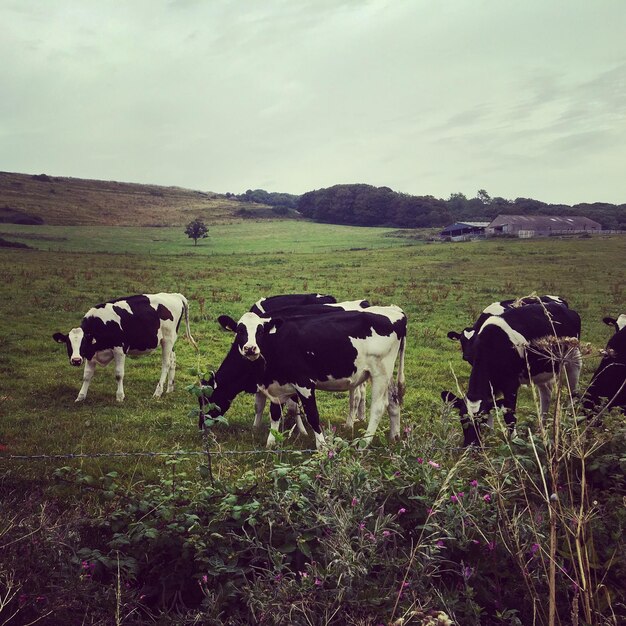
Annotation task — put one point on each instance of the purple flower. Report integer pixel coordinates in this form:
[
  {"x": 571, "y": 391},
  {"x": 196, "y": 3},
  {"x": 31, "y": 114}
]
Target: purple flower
[
  {"x": 433, "y": 464},
  {"x": 407, "y": 430},
  {"x": 355, "y": 501},
  {"x": 491, "y": 545},
  {"x": 487, "y": 498},
  {"x": 361, "y": 525},
  {"x": 474, "y": 483},
  {"x": 420, "y": 460},
  {"x": 386, "y": 533},
  {"x": 440, "y": 543},
  {"x": 534, "y": 548},
  {"x": 331, "y": 454},
  {"x": 401, "y": 511},
  {"x": 318, "y": 582},
  {"x": 205, "y": 578},
  {"x": 454, "y": 499}
]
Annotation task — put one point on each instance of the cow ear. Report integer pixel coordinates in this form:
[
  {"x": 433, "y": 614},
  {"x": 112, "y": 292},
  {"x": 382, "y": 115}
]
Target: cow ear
[
  {"x": 227, "y": 323},
  {"x": 610, "y": 321},
  {"x": 454, "y": 336},
  {"x": 274, "y": 324},
  {"x": 59, "y": 337}
]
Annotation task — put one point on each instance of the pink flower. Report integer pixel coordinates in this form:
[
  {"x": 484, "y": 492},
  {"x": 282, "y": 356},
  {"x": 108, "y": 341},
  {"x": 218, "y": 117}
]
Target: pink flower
[
  {"x": 355, "y": 501},
  {"x": 454, "y": 499},
  {"x": 401, "y": 511},
  {"x": 361, "y": 525},
  {"x": 491, "y": 545},
  {"x": 440, "y": 543},
  {"x": 460, "y": 494},
  {"x": 430, "y": 511},
  {"x": 534, "y": 548},
  {"x": 205, "y": 579},
  {"x": 318, "y": 582},
  {"x": 386, "y": 533},
  {"x": 331, "y": 454},
  {"x": 433, "y": 464},
  {"x": 474, "y": 483},
  {"x": 407, "y": 430},
  {"x": 420, "y": 460},
  {"x": 487, "y": 498}
]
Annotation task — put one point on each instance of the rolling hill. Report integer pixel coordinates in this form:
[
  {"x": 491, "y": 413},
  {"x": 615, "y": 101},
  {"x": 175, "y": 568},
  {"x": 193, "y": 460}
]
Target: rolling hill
[{"x": 43, "y": 199}]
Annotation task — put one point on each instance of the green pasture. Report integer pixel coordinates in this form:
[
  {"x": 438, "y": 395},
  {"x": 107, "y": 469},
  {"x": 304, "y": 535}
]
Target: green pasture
[
  {"x": 440, "y": 286},
  {"x": 246, "y": 237}
]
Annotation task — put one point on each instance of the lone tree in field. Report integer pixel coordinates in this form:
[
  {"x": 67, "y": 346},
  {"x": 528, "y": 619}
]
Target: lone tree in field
[{"x": 196, "y": 230}]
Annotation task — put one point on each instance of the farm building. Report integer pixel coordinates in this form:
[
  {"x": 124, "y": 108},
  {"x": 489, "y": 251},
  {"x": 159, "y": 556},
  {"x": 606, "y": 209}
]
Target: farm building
[
  {"x": 525, "y": 226},
  {"x": 460, "y": 231}
]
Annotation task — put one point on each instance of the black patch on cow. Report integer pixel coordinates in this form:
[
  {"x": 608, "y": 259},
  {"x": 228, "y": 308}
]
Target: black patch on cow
[{"x": 610, "y": 376}]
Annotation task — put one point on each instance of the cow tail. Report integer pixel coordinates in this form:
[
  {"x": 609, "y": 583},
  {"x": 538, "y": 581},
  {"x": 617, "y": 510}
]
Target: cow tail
[
  {"x": 187, "y": 329},
  {"x": 400, "y": 380}
]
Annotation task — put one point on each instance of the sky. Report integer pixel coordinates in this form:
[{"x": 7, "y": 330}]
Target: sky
[{"x": 428, "y": 97}]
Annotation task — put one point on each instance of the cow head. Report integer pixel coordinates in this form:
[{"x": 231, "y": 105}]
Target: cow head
[
  {"x": 80, "y": 345},
  {"x": 470, "y": 421},
  {"x": 618, "y": 323},
  {"x": 250, "y": 331},
  {"x": 465, "y": 339}
]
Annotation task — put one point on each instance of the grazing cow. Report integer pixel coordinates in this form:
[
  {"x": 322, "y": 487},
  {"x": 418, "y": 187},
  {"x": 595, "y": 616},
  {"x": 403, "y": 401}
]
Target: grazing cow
[
  {"x": 297, "y": 305},
  {"x": 528, "y": 343},
  {"x": 298, "y": 355},
  {"x": 131, "y": 326},
  {"x": 467, "y": 335},
  {"x": 609, "y": 379},
  {"x": 471, "y": 426}
]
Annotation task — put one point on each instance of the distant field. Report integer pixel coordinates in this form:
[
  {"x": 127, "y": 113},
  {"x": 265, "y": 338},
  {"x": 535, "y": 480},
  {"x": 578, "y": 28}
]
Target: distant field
[
  {"x": 248, "y": 236},
  {"x": 441, "y": 287}
]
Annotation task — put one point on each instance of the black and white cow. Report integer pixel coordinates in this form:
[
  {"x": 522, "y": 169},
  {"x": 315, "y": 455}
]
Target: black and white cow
[
  {"x": 333, "y": 352},
  {"x": 298, "y": 305},
  {"x": 467, "y": 335},
  {"x": 524, "y": 344},
  {"x": 608, "y": 384},
  {"x": 132, "y": 326}
]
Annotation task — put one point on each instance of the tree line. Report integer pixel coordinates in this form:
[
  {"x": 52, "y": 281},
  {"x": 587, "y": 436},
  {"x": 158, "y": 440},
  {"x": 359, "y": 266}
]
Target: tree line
[{"x": 366, "y": 205}]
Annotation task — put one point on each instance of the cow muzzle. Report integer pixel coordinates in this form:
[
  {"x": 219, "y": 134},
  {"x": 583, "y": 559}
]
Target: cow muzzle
[
  {"x": 252, "y": 353},
  {"x": 76, "y": 362}
]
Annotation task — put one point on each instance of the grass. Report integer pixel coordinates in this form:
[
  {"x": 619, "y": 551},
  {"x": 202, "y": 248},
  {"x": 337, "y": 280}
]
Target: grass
[
  {"x": 441, "y": 287},
  {"x": 246, "y": 237}
]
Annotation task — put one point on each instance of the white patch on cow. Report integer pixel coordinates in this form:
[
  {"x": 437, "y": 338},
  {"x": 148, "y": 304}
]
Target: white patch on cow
[
  {"x": 76, "y": 337},
  {"x": 469, "y": 334},
  {"x": 350, "y": 305},
  {"x": 494, "y": 308},
  {"x": 392, "y": 312},
  {"x": 259, "y": 306},
  {"x": 305, "y": 392},
  {"x": 517, "y": 339},
  {"x": 473, "y": 408},
  {"x": 251, "y": 322},
  {"x": 123, "y": 304},
  {"x": 621, "y": 321}
]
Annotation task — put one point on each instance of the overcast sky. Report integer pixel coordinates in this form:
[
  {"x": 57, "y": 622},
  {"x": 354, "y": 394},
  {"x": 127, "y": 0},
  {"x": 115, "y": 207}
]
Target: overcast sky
[{"x": 521, "y": 98}]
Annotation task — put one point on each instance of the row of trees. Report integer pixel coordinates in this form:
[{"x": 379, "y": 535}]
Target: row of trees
[{"x": 366, "y": 205}]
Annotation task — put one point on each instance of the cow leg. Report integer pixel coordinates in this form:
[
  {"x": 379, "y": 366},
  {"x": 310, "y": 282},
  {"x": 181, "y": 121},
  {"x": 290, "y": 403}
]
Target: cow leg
[
  {"x": 509, "y": 405},
  {"x": 573, "y": 365},
  {"x": 307, "y": 397},
  {"x": 393, "y": 408},
  {"x": 119, "y": 358},
  {"x": 545, "y": 395},
  {"x": 292, "y": 411},
  {"x": 165, "y": 366},
  {"x": 357, "y": 405},
  {"x": 275, "y": 415},
  {"x": 171, "y": 373},
  {"x": 260, "y": 400},
  {"x": 90, "y": 369},
  {"x": 380, "y": 400}
]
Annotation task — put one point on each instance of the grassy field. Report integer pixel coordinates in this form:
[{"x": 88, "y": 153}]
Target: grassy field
[
  {"x": 245, "y": 237},
  {"x": 150, "y": 540},
  {"x": 441, "y": 287}
]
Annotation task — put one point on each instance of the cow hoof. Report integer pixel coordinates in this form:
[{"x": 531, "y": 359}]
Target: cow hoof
[
  {"x": 120, "y": 397},
  {"x": 80, "y": 399},
  {"x": 157, "y": 394}
]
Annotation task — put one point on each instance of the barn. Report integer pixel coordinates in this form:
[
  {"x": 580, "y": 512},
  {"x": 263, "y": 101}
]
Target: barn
[
  {"x": 461, "y": 231},
  {"x": 526, "y": 226}
]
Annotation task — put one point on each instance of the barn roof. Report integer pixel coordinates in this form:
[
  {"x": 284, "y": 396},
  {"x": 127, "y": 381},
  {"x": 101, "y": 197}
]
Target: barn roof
[{"x": 546, "y": 222}]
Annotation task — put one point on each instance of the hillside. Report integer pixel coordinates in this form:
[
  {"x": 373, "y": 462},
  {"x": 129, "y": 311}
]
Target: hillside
[{"x": 36, "y": 199}]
